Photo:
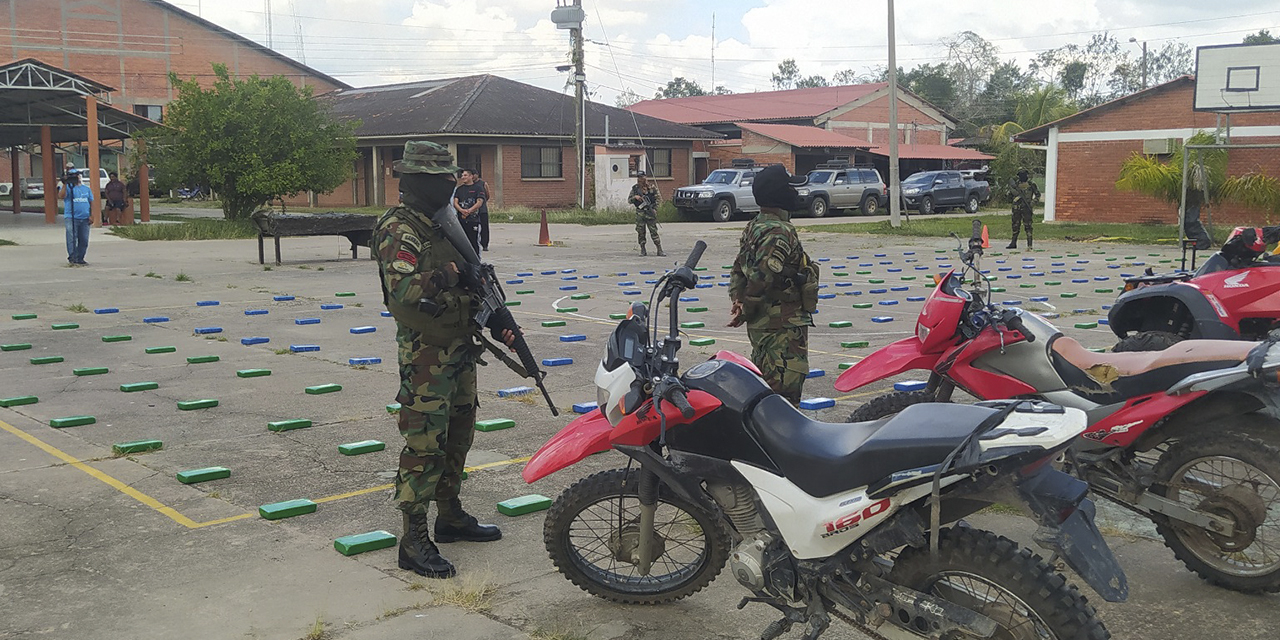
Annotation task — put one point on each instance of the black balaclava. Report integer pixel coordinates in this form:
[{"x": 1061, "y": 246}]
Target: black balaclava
[
  {"x": 426, "y": 192},
  {"x": 774, "y": 187},
  {"x": 1022, "y": 175}
]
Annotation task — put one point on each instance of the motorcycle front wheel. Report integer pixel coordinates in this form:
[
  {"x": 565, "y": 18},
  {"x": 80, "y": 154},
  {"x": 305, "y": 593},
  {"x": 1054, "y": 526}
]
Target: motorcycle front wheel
[
  {"x": 593, "y": 528},
  {"x": 1231, "y": 475},
  {"x": 980, "y": 571}
]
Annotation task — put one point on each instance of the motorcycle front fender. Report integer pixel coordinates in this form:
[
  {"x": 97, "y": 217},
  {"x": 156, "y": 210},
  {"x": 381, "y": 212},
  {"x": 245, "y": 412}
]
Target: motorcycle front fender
[
  {"x": 894, "y": 358},
  {"x": 1049, "y": 493},
  {"x": 587, "y": 434}
]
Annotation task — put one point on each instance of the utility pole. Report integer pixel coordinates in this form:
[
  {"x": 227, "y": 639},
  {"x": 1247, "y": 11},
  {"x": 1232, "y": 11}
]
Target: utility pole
[
  {"x": 895, "y": 199},
  {"x": 1144, "y": 60},
  {"x": 270, "y": 44},
  {"x": 568, "y": 14},
  {"x": 713, "y": 52}
]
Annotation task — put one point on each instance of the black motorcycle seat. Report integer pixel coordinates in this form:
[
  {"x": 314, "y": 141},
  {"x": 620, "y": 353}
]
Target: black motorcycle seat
[
  {"x": 827, "y": 458},
  {"x": 1106, "y": 378}
]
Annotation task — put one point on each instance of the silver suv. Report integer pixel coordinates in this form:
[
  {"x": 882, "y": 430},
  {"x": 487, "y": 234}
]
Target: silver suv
[
  {"x": 723, "y": 193},
  {"x": 835, "y": 186}
]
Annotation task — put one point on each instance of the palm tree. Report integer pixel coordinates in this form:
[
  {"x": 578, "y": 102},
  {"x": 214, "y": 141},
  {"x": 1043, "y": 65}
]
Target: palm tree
[
  {"x": 1208, "y": 182},
  {"x": 1039, "y": 107}
]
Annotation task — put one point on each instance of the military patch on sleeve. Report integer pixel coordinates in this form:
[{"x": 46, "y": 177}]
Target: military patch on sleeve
[
  {"x": 407, "y": 257},
  {"x": 412, "y": 241},
  {"x": 402, "y": 266},
  {"x": 774, "y": 264}
]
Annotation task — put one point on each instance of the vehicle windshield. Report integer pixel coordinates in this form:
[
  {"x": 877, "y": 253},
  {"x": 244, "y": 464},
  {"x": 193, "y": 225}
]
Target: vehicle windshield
[
  {"x": 820, "y": 176},
  {"x": 721, "y": 177},
  {"x": 919, "y": 178}
]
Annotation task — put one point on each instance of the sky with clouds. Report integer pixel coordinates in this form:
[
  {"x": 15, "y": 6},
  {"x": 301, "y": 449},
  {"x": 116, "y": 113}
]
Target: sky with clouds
[{"x": 639, "y": 45}]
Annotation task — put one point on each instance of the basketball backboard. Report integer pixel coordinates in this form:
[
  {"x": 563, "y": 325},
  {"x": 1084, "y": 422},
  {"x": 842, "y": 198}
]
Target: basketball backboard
[{"x": 1238, "y": 77}]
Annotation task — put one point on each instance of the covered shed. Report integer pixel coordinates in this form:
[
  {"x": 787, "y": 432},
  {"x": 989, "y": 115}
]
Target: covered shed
[{"x": 43, "y": 105}]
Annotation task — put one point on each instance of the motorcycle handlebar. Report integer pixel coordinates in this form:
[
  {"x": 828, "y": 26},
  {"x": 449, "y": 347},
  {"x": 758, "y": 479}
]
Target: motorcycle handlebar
[
  {"x": 695, "y": 255},
  {"x": 1015, "y": 322},
  {"x": 678, "y": 399}
]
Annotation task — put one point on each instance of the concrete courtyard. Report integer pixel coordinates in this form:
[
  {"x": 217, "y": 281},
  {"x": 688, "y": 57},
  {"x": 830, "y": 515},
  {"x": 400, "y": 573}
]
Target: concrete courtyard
[{"x": 99, "y": 546}]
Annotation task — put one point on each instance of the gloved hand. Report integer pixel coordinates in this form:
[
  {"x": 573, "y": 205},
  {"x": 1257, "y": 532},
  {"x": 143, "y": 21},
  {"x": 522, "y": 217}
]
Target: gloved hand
[{"x": 469, "y": 276}]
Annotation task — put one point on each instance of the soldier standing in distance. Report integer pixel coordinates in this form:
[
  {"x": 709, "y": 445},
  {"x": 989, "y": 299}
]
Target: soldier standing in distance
[
  {"x": 424, "y": 284},
  {"x": 774, "y": 285},
  {"x": 644, "y": 196},
  {"x": 1024, "y": 193}
]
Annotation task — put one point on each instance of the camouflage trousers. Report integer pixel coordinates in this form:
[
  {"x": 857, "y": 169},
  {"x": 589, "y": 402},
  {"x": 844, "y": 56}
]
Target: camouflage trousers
[
  {"x": 647, "y": 220},
  {"x": 437, "y": 419},
  {"x": 1021, "y": 217},
  {"x": 782, "y": 355}
]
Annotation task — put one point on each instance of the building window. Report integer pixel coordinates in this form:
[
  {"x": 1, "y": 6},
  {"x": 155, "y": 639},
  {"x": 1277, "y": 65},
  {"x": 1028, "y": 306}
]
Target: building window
[
  {"x": 397, "y": 154},
  {"x": 540, "y": 162},
  {"x": 149, "y": 111},
  {"x": 661, "y": 163}
]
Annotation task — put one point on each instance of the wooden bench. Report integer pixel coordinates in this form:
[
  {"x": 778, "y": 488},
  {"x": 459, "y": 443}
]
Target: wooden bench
[{"x": 355, "y": 227}]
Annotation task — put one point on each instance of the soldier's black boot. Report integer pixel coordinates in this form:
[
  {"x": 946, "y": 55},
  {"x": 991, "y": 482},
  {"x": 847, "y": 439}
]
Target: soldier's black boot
[
  {"x": 418, "y": 554},
  {"x": 1028, "y": 241},
  {"x": 1013, "y": 244},
  {"x": 454, "y": 524},
  {"x": 643, "y": 251},
  {"x": 660, "y": 251}
]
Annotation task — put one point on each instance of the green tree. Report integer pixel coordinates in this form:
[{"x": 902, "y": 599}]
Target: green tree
[
  {"x": 931, "y": 82},
  {"x": 251, "y": 140},
  {"x": 1172, "y": 60},
  {"x": 627, "y": 98},
  {"x": 786, "y": 76},
  {"x": 1263, "y": 36},
  {"x": 809, "y": 82},
  {"x": 849, "y": 76},
  {"x": 970, "y": 62},
  {"x": 1207, "y": 179},
  {"x": 680, "y": 88},
  {"x": 1038, "y": 107},
  {"x": 722, "y": 90},
  {"x": 999, "y": 100}
]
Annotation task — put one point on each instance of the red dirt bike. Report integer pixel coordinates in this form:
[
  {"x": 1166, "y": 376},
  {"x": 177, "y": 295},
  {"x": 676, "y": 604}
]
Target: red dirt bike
[
  {"x": 819, "y": 521},
  {"x": 1186, "y": 437},
  {"x": 1234, "y": 295}
]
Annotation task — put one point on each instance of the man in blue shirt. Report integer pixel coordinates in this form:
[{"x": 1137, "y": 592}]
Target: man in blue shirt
[{"x": 77, "y": 209}]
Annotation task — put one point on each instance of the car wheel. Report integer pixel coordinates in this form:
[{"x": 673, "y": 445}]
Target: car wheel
[
  {"x": 818, "y": 208},
  {"x": 971, "y": 205},
  {"x": 870, "y": 205},
  {"x": 723, "y": 211},
  {"x": 926, "y": 206}
]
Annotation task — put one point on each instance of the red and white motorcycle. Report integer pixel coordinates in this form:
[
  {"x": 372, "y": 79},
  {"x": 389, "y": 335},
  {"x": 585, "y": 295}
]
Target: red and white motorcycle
[
  {"x": 858, "y": 522},
  {"x": 1187, "y": 436}
]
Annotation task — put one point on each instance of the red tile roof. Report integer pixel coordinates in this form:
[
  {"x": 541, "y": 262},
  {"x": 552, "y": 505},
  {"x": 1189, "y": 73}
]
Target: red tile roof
[
  {"x": 931, "y": 152},
  {"x": 805, "y": 137},
  {"x": 792, "y": 104}
]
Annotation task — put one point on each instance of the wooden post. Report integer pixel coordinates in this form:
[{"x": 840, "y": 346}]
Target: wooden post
[
  {"x": 16, "y": 191},
  {"x": 94, "y": 165},
  {"x": 144, "y": 183},
  {"x": 50, "y": 180}
]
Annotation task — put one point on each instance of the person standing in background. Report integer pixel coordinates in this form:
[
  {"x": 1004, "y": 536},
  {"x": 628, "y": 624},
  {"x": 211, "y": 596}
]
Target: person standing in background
[
  {"x": 644, "y": 197},
  {"x": 484, "y": 210},
  {"x": 467, "y": 200},
  {"x": 1024, "y": 193},
  {"x": 115, "y": 199}
]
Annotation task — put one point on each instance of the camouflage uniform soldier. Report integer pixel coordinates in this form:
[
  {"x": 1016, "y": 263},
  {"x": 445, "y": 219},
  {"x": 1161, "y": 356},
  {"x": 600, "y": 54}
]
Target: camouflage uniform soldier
[
  {"x": 774, "y": 286},
  {"x": 1024, "y": 193},
  {"x": 645, "y": 197},
  {"x": 436, "y": 335}
]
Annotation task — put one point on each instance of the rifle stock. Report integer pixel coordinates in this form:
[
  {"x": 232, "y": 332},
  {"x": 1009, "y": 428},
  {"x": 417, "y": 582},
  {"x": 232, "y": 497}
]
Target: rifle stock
[{"x": 493, "y": 313}]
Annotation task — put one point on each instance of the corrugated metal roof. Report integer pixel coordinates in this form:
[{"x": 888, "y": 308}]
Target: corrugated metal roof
[
  {"x": 490, "y": 105},
  {"x": 931, "y": 152},
  {"x": 792, "y": 104},
  {"x": 806, "y": 137}
]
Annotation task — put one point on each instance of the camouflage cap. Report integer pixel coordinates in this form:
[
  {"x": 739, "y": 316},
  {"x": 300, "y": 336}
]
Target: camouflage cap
[{"x": 426, "y": 157}]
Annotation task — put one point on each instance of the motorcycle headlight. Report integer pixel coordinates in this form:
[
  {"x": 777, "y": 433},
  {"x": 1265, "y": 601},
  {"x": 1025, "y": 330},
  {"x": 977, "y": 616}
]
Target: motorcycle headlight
[{"x": 922, "y": 332}]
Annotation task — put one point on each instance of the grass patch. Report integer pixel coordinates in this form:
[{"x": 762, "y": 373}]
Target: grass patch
[
  {"x": 281, "y": 352},
  {"x": 203, "y": 229},
  {"x": 303, "y": 266},
  {"x": 550, "y": 634},
  {"x": 182, "y": 277},
  {"x": 7, "y": 243},
  {"x": 1002, "y": 509},
  {"x": 589, "y": 217},
  {"x": 266, "y": 268},
  {"x": 317, "y": 631},
  {"x": 152, "y": 274},
  {"x": 78, "y": 308},
  {"x": 998, "y": 225},
  {"x": 391, "y": 613},
  {"x": 469, "y": 592}
]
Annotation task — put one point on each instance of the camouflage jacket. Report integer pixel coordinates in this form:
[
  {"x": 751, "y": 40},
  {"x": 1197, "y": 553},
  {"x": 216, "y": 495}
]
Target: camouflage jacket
[
  {"x": 773, "y": 277},
  {"x": 1023, "y": 194},
  {"x": 419, "y": 289},
  {"x": 651, "y": 195}
]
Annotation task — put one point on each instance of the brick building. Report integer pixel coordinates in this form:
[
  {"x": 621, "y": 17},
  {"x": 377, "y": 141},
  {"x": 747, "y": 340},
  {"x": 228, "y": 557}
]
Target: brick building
[
  {"x": 802, "y": 127},
  {"x": 1085, "y": 152},
  {"x": 131, "y": 46},
  {"x": 517, "y": 136}
]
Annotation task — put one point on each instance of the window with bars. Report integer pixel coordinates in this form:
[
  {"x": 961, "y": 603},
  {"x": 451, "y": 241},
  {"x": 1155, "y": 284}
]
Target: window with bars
[
  {"x": 661, "y": 163},
  {"x": 541, "y": 162}
]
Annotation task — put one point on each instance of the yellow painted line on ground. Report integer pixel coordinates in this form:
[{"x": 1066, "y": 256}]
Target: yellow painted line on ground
[
  {"x": 100, "y": 476},
  {"x": 243, "y": 516}
]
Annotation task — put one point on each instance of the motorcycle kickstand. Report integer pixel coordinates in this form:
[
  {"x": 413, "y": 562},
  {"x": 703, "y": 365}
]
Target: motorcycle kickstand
[{"x": 648, "y": 493}]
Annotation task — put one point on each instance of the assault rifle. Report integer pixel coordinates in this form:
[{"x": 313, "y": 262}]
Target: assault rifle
[{"x": 494, "y": 315}]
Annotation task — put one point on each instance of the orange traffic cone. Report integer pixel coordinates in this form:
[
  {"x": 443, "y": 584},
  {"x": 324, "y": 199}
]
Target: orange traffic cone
[
  {"x": 544, "y": 234},
  {"x": 986, "y": 239}
]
